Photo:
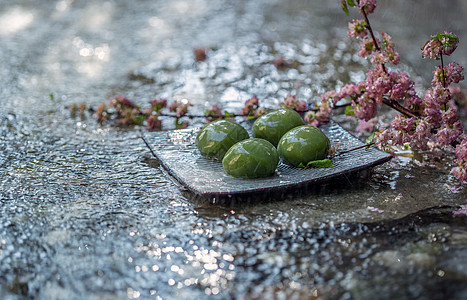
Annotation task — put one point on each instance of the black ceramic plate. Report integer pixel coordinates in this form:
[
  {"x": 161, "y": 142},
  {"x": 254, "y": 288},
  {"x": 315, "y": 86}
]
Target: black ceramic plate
[{"x": 179, "y": 155}]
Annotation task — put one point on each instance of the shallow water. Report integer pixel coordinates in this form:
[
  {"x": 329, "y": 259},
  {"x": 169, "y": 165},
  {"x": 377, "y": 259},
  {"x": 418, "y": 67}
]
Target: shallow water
[{"x": 87, "y": 213}]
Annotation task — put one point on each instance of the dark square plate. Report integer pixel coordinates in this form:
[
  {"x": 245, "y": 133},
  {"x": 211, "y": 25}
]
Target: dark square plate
[{"x": 179, "y": 155}]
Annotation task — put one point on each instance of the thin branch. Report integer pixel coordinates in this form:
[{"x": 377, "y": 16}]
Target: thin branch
[
  {"x": 442, "y": 70},
  {"x": 356, "y": 148},
  {"x": 397, "y": 106}
]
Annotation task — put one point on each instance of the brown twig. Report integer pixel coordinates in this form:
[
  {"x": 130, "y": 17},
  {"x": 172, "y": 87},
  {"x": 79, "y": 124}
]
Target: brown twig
[
  {"x": 397, "y": 106},
  {"x": 442, "y": 70},
  {"x": 356, "y": 148}
]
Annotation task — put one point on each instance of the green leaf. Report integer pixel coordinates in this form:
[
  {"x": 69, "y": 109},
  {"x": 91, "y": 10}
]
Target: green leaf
[
  {"x": 51, "y": 96},
  {"x": 344, "y": 7},
  {"x": 370, "y": 139},
  {"x": 139, "y": 120},
  {"x": 349, "y": 110},
  {"x": 351, "y": 3},
  {"x": 227, "y": 114},
  {"x": 323, "y": 163},
  {"x": 439, "y": 36}
]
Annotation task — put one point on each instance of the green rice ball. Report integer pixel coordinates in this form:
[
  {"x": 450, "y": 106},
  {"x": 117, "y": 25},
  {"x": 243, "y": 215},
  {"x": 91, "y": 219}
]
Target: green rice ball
[
  {"x": 302, "y": 145},
  {"x": 251, "y": 158},
  {"x": 214, "y": 139},
  {"x": 272, "y": 126}
]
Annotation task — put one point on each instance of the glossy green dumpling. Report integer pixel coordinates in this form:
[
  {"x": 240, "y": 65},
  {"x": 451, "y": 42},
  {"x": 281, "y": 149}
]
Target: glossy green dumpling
[
  {"x": 302, "y": 145},
  {"x": 214, "y": 139},
  {"x": 272, "y": 126},
  {"x": 251, "y": 158}
]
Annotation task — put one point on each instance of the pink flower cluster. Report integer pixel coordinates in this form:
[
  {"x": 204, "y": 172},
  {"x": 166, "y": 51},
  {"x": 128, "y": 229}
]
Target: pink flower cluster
[
  {"x": 291, "y": 102},
  {"x": 461, "y": 211},
  {"x": 179, "y": 108},
  {"x": 357, "y": 29},
  {"x": 460, "y": 171},
  {"x": 323, "y": 115},
  {"x": 368, "y": 6},
  {"x": 121, "y": 104},
  {"x": 250, "y": 107},
  {"x": 452, "y": 73},
  {"x": 126, "y": 110},
  {"x": 158, "y": 104},
  {"x": 424, "y": 122},
  {"x": 442, "y": 43},
  {"x": 154, "y": 112},
  {"x": 153, "y": 122},
  {"x": 387, "y": 52},
  {"x": 214, "y": 112}
]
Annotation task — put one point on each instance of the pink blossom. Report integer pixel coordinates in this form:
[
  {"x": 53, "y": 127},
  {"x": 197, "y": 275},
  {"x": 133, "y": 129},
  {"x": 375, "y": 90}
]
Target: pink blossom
[
  {"x": 324, "y": 113},
  {"x": 442, "y": 43},
  {"x": 280, "y": 62},
  {"x": 461, "y": 150},
  {"x": 435, "y": 98},
  {"x": 310, "y": 118},
  {"x": 401, "y": 122},
  {"x": 378, "y": 83},
  {"x": 375, "y": 209},
  {"x": 448, "y": 134},
  {"x": 454, "y": 73},
  {"x": 383, "y": 138},
  {"x": 158, "y": 104},
  {"x": 389, "y": 50},
  {"x": 432, "y": 49},
  {"x": 414, "y": 103},
  {"x": 461, "y": 211},
  {"x": 449, "y": 41},
  {"x": 179, "y": 108},
  {"x": 399, "y": 137},
  {"x": 322, "y": 116},
  {"x": 365, "y": 108},
  {"x": 438, "y": 94},
  {"x": 450, "y": 116},
  {"x": 260, "y": 111},
  {"x": 367, "y": 126},
  {"x": 459, "y": 172},
  {"x": 401, "y": 86},
  {"x": 367, "y": 47},
  {"x": 251, "y": 105},
  {"x": 121, "y": 103},
  {"x": 214, "y": 112},
  {"x": 331, "y": 96},
  {"x": 352, "y": 90},
  {"x": 291, "y": 102},
  {"x": 154, "y": 122},
  {"x": 420, "y": 138},
  {"x": 367, "y": 5},
  {"x": 357, "y": 29},
  {"x": 379, "y": 58}
]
